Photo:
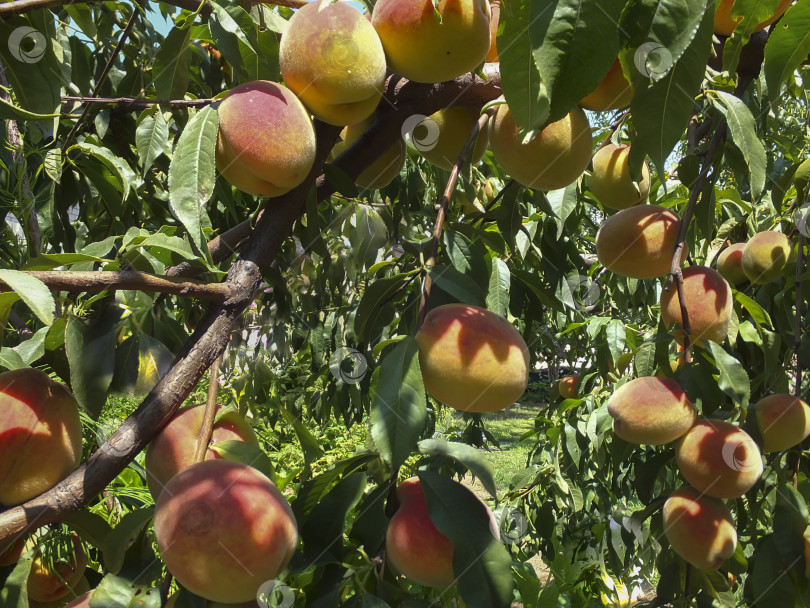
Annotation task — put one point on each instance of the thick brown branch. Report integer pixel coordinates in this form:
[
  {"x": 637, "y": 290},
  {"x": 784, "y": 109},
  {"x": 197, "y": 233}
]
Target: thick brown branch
[
  {"x": 63, "y": 280},
  {"x": 140, "y": 102}
]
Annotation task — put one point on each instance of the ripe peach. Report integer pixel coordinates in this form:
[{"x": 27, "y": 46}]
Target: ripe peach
[
  {"x": 765, "y": 255},
  {"x": 610, "y": 181},
  {"x": 51, "y": 581},
  {"x": 719, "y": 459},
  {"x": 614, "y": 92},
  {"x": 472, "y": 359},
  {"x": 332, "y": 58},
  {"x": 783, "y": 421},
  {"x": 173, "y": 449},
  {"x": 724, "y": 24},
  {"x": 266, "y": 141},
  {"x": 453, "y": 126},
  {"x": 552, "y": 159},
  {"x": 568, "y": 386},
  {"x": 79, "y": 591},
  {"x": 699, "y": 528},
  {"x": 223, "y": 529},
  {"x": 82, "y": 601},
  {"x": 421, "y": 48},
  {"x": 639, "y": 242},
  {"x": 495, "y": 8},
  {"x": 729, "y": 264},
  {"x": 708, "y": 304},
  {"x": 388, "y": 164},
  {"x": 651, "y": 410},
  {"x": 414, "y": 545},
  {"x": 40, "y": 434}
]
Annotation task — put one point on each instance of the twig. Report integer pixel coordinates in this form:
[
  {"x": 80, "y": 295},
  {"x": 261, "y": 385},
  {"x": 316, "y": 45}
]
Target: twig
[
  {"x": 9, "y": 10},
  {"x": 442, "y": 213},
  {"x": 613, "y": 128},
  {"x": 139, "y": 102},
  {"x": 110, "y": 62},
  {"x": 207, "y": 427},
  {"x": 65, "y": 280}
]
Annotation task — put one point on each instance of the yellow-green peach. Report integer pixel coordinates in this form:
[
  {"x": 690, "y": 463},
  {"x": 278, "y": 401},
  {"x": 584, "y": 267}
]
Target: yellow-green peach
[
  {"x": 610, "y": 181},
  {"x": 765, "y": 255},
  {"x": 568, "y": 386},
  {"x": 384, "y": 169},
  {"x": 783, "y": 421},
  {"x": 612, "y": 93},
  {"x": 452, "y": 126}
]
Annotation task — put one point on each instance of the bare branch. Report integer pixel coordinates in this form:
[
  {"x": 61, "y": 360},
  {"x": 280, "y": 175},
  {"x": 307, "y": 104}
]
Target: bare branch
[
  {"x": 207, "y": 428},
  {"x": 139, "y": 102}
]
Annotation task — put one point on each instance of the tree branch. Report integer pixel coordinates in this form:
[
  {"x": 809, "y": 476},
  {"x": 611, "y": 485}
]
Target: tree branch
[
  {"x": 207, "y": 428},
  {"x": 64, "y": 280},
  {"x": 11, "y": 9},
  {"x": 139, "y": 102}
]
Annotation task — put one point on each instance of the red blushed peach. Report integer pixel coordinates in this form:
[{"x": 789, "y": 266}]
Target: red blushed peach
[
  {"x": 729, "y": 264},
  {"x": 568, "y": 386},
  {"x": 708, "y": 303},
  {"x": 472, "y": 359},
  {"x": 82, "y": 601},
  {"x": 651, "y": 410},
  {"x": 332, "y": 58},
  {"x": 421, "y": 48},
  {"x": 614, "y": 92},
  {"x": 48, "y": 582},
  {"x": 76, "y": 593},
  {"x": 638, "y": 242},
  {"x": 719, "y": 459},
  {"x": 173, "y": 449},
  {"x": 414, "y": 545},
  {"x": 223, "y": 529},
  {"x": 266, "y": 141},
  {"x": 699, "y": 528},
  {"x": 724, "y": 24},
  {"x": 554, "y": 158},
  {"x": 40, "y": 434},
  {"x": 783, "y": 421}
]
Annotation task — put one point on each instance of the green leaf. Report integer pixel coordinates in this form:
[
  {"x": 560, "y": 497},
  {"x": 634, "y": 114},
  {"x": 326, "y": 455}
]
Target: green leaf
[
  {"x": 398, "y": 404},
  {"x": 790, "y": 518},
  {"x": 758, "y": 314},
  {"x": 114, "y": 164},
  {"x": 461, "y": 286},
  {"x": 170, "y": 71},
  {"x": 8, "y": 111},
  {"x": 33, "y": 292},
  {"x": 310, "y": 493},
  {"x": 246, "y": 453},
  {"x": 122, "y": 536},
  {"x": 14, "y": 593},
  {"x": 49, "y": 261},
  {"x": 375, "y": 310},
  {"x": 309, "y": 444},
  {"x": 192, "y": 175},
  {"x": 119, "y": 592},
  {"x": 11, "y": 359},
  {"x": 733, "y": 380},
  {"x": 32, "y": 349},
  {"x": 744, "y": 134},
  {"x": 522, "y": 87},
  {"x": 151, "y": 136},
  {"x": 90, "y": 351},
  {"x": 90, "y": 526},
  {"x": 787, "y": 47},
  {"x": 753, "y": 12},
  {"x": 562, "y": 202},
  {"x": 467, "y": 455},
  {"x": 323, "y": 528},
  {"x": 661, "y": 109},
  {"x": 499, "y": 282},
  {"x": 481, "y": 563},
  {"x": 616, "y": 338}
]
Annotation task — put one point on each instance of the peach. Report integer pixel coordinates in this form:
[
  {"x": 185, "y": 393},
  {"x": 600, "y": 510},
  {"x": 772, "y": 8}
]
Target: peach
[
  {"x": 568, "y": 386},
  {"x": 495, "y": 8},
  {"x": 651, "y": 410},
  {"x": 708, "y": 303},
  {"x": 783, "y": 421},
  {"x": 729, "y": 264},
  {"x": 332, "y": 58},
  {"x": 614, "y": 92},
  {"x": 472, "y": 359},
  {"x": 266, "y": 141},
  {"x": 765, "y": 255},
  {"x": 414, "y": 545},
  {"x": 50, "y": 581},
  {"x": 554, "y": 158},
  {"x": 423, "y": 49},
  {"x": 719, "y": 459},
  {"x": 82, "y": 601},
  {"x": 610, "y": 181},
  {"x": 724, "y": 24},
  {"x": 452, "y": 126},
  {"x": 699, "y": 528},
  {"x": 173, "y": 449},
  {"x": 40, "y": 434},
  {"x": 74, "y": 594},
  {"x": 382, "y": 171},
  {"x": 223, "y": 529},
  {"x": 639, "y": 242}
]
